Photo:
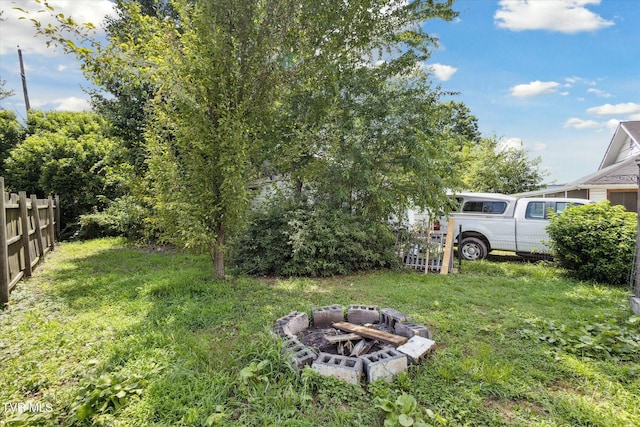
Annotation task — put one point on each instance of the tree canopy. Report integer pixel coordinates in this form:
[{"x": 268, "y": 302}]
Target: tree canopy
[
  {"x": 492, "y": 167},
  {"x": 331, "y": 95}
]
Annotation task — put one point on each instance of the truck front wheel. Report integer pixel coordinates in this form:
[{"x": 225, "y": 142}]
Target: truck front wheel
[{"x": 472, "y": 249}]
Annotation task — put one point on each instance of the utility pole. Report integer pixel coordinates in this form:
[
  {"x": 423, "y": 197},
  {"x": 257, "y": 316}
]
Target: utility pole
[{"x": 24, "y": 82}]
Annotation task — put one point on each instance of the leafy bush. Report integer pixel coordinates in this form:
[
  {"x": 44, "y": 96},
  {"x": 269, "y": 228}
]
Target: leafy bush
[
  {"x": 287, "y": 238},
  {"x": 406, "y": 412},
  {"x": 11, "y": 134},
  {"x": 105, "y": 394},
  {"x": 68, "y": 154},
  {"x": 595, "y": 241},
  {"x": 126, "y": 216}
]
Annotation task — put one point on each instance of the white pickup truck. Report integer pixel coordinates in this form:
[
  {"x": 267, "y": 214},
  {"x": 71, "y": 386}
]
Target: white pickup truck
[{"x": 499, "y": 222}]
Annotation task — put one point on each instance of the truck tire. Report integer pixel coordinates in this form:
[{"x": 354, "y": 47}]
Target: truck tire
[{"x": 473, "y": 249}]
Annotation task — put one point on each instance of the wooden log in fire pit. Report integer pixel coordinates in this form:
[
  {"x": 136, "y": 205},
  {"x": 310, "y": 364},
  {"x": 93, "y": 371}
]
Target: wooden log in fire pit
[{"x": 371, "y": 333}]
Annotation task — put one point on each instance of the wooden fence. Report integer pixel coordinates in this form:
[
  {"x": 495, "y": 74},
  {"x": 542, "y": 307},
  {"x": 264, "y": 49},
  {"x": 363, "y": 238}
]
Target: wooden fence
[{"x": 28, "y": 229}]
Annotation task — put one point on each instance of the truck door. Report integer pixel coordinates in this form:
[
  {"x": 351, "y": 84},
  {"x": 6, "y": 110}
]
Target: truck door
[
  {"x": 530, "y": 226},
  {"x": 531, "y": 235}
]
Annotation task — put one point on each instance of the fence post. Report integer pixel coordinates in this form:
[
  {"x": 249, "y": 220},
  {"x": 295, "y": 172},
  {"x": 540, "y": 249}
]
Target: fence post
[
  {"x": 36, "y": 219},
  {"x": 4, "y": 250},
  {"x": 58, "y": 216},
  {"x": 24, "y": 220},
  {"x": 51, "y": 220}
]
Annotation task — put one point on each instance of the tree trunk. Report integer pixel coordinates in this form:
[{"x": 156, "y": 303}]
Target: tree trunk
[{"x": 218, "y": 254}]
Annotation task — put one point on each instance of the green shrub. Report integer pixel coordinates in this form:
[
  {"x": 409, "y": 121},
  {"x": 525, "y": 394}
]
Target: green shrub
[
  {"x": 11, "y": 134},
  {"x": 69, "y": 155},
  {"x": 595, "y": 242},
  {"x": 126, "y": 216},
  {"x": 288, "y": 238}
]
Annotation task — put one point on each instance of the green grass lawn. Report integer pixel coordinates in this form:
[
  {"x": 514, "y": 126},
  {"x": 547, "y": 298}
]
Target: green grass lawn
[{"x": 108, "y": 334}]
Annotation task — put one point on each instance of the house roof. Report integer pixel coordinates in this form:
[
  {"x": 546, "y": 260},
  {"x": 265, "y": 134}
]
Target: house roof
[
  {"x": 624, "y": 172},
  {"x": 632, "y": 129}
]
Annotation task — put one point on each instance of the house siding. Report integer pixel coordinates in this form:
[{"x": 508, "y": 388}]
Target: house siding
[
  {"x": 598, "y": 194},
  {"x": 627, "y": 150}
]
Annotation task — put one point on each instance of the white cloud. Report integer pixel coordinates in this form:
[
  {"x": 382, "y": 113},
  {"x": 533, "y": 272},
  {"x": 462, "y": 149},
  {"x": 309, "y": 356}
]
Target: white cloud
[
  {"x": 16, "y": 31},
  {"x": 37, "y": 103},
  {"x": 600, "y": 93},
  {"x": 534, "y": 88},
  {"x": 612, "y": 124},
  {"x": 61, "y": 67},
  {"x": 577, "y": 123},
  {"x": 634, "y": 116},
  {"x": 72, "y": 104},
  {"x": 570, "y": 81},
  {"x": 611, "y": 109},
  {"x": 566, "y": 16},
  {"x": 539, "y": 146},
  {"x": 443, "y": 72}
]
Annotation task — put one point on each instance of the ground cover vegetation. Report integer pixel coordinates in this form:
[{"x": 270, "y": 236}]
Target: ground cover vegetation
[
  {"x": 208, "y": 100},
  {"x": 110, "y": 334}
]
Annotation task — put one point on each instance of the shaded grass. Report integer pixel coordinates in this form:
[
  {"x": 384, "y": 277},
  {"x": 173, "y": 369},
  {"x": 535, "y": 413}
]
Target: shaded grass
[{"x": 160, "y": 327}]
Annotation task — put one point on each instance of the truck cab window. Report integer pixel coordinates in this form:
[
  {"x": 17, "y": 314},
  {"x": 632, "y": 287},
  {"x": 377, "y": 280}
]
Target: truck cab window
[
  {"x": 485, "y": 207},
  {"x": 540, "y": 210},
  {"x": 535, "y": 210}
]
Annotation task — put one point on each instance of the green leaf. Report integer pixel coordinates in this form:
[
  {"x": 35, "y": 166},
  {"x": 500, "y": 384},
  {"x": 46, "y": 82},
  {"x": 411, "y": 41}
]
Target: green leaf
[
  {"x": 407, "y": 403},
  {"x": 405, "y": 420},
  {"x": 386, "y": 405}
]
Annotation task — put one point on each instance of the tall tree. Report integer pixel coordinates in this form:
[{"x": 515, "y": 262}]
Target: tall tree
[
  {"x": 493, "y": 167},
  {"x": 222, "y": 73}
]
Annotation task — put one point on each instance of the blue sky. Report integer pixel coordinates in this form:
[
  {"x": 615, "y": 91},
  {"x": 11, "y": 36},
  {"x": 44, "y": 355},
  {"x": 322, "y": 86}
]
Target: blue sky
[{"x": 555, "y": 75}]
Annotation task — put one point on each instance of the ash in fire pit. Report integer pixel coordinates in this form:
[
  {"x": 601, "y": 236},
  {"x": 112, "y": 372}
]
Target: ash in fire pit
[
  {"x": 377, "y": 343},
  {"x": 334, "y": 341}
]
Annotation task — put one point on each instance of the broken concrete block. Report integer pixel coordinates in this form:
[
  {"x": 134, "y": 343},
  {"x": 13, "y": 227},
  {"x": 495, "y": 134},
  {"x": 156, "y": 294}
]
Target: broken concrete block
[
  {"x": 390, "y": 317},
  {"x": 293, "y": 323},
  {"x": 324, "y": 317},
  {"x": 416, "y": 348},
  {"x": 362, "y": 314},
  {"x": 409, "y": 330},
  {"x": 298, "y": 353}
]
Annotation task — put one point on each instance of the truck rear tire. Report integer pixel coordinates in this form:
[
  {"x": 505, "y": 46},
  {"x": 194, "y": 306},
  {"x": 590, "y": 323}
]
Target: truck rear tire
[{"x": 473, "y": 249}]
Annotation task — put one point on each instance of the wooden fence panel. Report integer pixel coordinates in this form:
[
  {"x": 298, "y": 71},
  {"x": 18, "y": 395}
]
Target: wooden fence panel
[
  {"x": 4, "y": 254},
  {"x": 15, "y": 249},
  {"x": 27, "y": 232}
]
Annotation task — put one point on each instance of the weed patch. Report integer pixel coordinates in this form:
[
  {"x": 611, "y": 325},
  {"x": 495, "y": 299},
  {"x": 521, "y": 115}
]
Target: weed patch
[{"x": 606, "y": 337}]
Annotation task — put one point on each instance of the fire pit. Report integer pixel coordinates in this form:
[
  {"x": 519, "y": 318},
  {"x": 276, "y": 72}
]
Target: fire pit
[{"x": 362, "y": 342}]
